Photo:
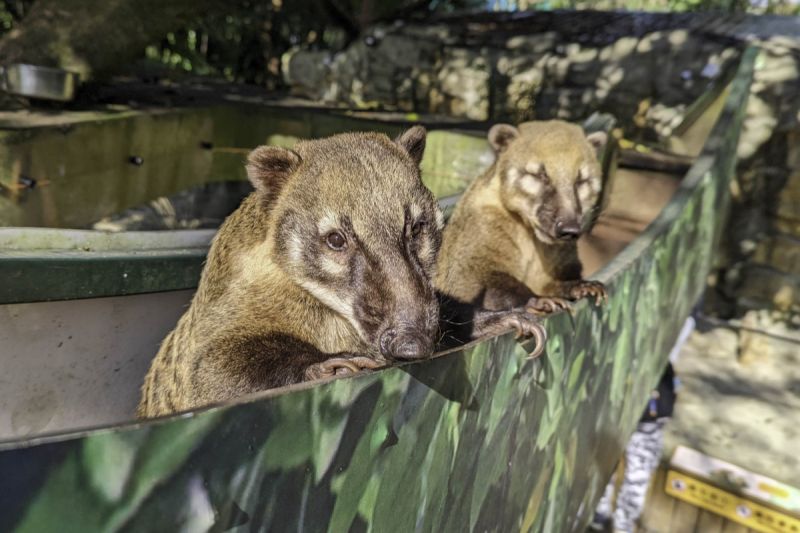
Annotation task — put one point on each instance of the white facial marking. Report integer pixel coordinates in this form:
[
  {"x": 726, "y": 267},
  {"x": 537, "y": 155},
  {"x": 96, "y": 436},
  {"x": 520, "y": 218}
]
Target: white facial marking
[
  {"x": 331, "y": 266},
  {"x": 415, "y": 211},
  {"x": 328, "y": 222},
  {"x": 530, "y": 185},
  {"x": 332, "y": 300},
  {"x": 513, "y": 175},
  {"x": 439, "y": 219},
  {"x": 295, "y": 248},
  {"x": 586, "y": 174},
  {"x": 425, "y": 251},
  {"x": 584, "y": 192},
  {"x": 533, "y": 167}
]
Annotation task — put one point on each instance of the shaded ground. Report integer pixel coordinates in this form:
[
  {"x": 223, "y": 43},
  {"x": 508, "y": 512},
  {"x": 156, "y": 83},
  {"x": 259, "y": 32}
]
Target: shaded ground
[{"x": 744, "y": 410}]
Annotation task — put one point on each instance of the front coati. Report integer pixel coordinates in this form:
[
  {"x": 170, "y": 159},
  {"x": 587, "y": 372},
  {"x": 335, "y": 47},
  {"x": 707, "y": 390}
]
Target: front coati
[
  {"x": 325, "y": 270},
  {"x": 512, "y": 240}
]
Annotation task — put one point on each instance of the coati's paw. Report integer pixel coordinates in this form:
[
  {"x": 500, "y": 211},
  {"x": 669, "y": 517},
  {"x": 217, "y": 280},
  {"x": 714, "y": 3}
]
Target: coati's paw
[
  {"x": 546, "y": 305},
  {"x": 589, "y": 289},
  {"x": 341, "y": 366},
  {"x": 526, "y": 326}
]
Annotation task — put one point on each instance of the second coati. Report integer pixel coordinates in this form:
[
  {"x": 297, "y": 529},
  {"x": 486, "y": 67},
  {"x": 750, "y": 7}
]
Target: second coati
[
  {"x": 326, "y": 269},
  {"x": 512, "y": 239}
]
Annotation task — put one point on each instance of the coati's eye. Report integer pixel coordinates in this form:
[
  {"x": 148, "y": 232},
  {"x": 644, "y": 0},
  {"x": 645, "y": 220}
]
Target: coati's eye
[
  {"x": 336, "y": 240},
  {"x": 537, "y": 170},
  {"x": 417, "y": 228}
]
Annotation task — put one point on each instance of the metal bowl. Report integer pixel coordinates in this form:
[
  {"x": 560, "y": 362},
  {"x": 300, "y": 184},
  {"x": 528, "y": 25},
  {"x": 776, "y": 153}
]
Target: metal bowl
[{"x": 33, "y": 81}]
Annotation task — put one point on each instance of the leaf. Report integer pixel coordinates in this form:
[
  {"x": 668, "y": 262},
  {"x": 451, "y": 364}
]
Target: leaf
[
  {"x": 108, "y": 462},
  {"x": 535, "y": 502},
  {"x": 359, "y": 483},
  {"x": 161, "y": 454},
  {"x": 289, "y": 444},
  {"x": 575, "y": 373}
]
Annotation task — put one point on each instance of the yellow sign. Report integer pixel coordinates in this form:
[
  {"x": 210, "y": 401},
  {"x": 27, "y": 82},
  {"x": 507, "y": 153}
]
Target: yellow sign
[{"x": 731, "y": 506}]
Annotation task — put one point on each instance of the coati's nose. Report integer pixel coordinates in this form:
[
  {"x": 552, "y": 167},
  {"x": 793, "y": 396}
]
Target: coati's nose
[
  {"x": 403, "y": 347},
  {"x": 412, "y": 348},
  {"x": 386, "y": 341},
  {"x": 568, "y": 231}
]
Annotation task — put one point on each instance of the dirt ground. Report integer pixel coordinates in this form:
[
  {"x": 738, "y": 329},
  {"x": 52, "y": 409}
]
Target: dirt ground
[{"x": 740, "y": 406}]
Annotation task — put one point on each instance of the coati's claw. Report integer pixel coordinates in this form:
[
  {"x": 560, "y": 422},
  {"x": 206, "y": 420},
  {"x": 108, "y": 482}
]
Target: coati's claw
[
  {"x": 341, "y": 366},
  {"x": 525, "y": 325},
  {"x": 540, "y": 336},
  {"x": 367, "y": 363},
  {"x": 528, "y": 327},
  {"x": 588, "y": 289},
  {"x": 546, "y": 305}
]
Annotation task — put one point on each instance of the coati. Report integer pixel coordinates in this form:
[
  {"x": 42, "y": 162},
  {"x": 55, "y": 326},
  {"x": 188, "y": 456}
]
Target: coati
[
  {"x": 325, "y": 270},
  {"x": 512, "y": 240}
]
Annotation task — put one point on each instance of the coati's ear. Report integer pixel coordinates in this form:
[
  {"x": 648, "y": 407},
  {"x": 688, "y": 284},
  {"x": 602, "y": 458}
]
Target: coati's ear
[
  {"x": 501, "y": 135},
  {"x": 269, "y": 167},
  {"x": 598, "y": 140},
  {"x": 413, "y": 141}
]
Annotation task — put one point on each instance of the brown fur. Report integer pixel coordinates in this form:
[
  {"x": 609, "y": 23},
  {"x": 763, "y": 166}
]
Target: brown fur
[
  {"x": 278, "y": 303},
  {"x": 512, "y": 239}
]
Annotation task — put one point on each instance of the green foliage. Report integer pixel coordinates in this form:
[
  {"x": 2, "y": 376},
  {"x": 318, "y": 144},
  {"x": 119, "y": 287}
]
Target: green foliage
[
  {"x": 11, "y": 12},
  {"x": 246, "y": 44}
]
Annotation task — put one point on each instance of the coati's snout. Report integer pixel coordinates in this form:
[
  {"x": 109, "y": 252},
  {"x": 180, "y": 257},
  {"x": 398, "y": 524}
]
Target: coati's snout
[
  {"x": 551, "y": 180},
  {"x": 378, "y": 276},
  {"x": 399, "y": 317},
  {"x": 409, "y": 345},
  {"x": 358, "y": 230},
  {"x": 568, "y": 229}
]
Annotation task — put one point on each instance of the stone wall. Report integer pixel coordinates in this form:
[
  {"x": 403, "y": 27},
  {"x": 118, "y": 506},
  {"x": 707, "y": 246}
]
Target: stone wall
[
  {"x": 762, "y": 250},
  {"x": 643, "y": 68},
  {"x": 473, "y": 70}
]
